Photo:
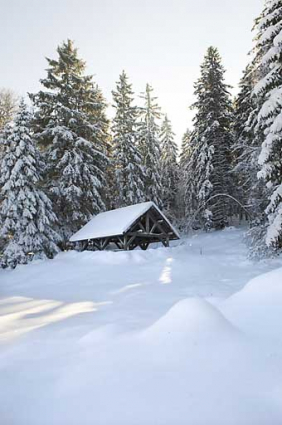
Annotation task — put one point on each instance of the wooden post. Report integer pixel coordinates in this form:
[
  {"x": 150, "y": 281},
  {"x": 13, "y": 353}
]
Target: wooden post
[
  {"x": 165, "y": 242},
  {"x": 141, "y": 226},
  {"x": 118, "y": 244},
  {"x": 104, "y": 243},
  {"x": 129, "y": 242},
  {"x": 85, "y": 245},
  {"x": 125, "y": 243},
  {"x": 147, "y": 223}
]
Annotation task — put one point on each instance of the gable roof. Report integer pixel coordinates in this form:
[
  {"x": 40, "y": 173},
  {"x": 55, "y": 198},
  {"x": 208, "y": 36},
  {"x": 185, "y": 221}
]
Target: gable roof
[{"x": 115, "y": 222}]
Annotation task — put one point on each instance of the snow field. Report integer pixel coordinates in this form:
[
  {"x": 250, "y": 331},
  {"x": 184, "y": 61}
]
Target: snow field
[{"x": 162, "y": 337}]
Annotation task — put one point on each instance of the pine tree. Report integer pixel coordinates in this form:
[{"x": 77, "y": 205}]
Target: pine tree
[
  {"x": 185, "y": 151},
  {"x": 149, "y": 146},
  {"x": 129, "y": 186},
  {"x": 249, "y": 190},
  {"x": 209, "y": 164},
  {"x": 169, "y": 167},
  {"x": 198, "y": 187},
  {"x": 244, "y": 107},
  {"x": 8, "y": 107},
  {"x": 186, "y": 199},
  {"x": 269, "y": 93},
  {"x": 70, "y": 122},
  {"x": 26, "y": 213},
  {"x": 245, "y": 153},
  {"x": 110, "y": 193}
]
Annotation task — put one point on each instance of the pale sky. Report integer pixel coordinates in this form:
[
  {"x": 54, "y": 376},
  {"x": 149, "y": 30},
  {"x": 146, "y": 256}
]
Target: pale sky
[{"x": 161, "y": 42}]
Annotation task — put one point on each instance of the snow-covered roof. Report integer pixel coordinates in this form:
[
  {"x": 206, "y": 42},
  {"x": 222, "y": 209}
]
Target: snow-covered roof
[{"x": 115, "y": 222}]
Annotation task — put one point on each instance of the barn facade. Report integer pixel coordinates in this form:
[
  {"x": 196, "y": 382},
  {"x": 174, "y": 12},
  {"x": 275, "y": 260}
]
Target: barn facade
[{"x": 127, "y": 228}]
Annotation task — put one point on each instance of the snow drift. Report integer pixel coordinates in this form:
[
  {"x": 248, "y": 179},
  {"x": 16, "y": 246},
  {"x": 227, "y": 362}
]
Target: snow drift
[{"x": 96, "y": 340}]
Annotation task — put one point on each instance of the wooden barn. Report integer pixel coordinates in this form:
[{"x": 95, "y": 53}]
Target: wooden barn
[{"x": 127, "y": 228}]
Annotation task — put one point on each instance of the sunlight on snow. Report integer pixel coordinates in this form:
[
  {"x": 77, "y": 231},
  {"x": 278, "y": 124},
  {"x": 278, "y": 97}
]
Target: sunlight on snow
[
  {"x": 128, "y": 288},
  {"x": 32, "y": 314},
  {"x": 165, "y": 277}
]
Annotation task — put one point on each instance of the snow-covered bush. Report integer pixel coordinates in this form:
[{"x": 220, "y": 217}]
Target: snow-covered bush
[{"x": 255, "y": 239}]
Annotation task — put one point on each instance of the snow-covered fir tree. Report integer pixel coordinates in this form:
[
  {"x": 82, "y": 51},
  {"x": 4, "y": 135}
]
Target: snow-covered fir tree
[
  {"x": 129, "y": 185},
  {"x": 169, "y": 167},
  {"x": 149, "y": 146},
  {"x": 249, "y": 190},
  {"x": 70, "y": 122},
  {"x": 185, "y": 154},
  {"x": 269, "y": 92},
  {"x": 8, "y": 107},
  {"x": 26, "y": 213},
  {"x": 209, "y": 164},
  {"x": 195, "y": 208},
  {"x": 243, "y": 134},
  {"x": 185, "y": 151}
]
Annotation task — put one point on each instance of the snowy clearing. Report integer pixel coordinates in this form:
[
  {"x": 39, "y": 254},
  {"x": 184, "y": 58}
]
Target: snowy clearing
[{"x": 163, "y": 337}]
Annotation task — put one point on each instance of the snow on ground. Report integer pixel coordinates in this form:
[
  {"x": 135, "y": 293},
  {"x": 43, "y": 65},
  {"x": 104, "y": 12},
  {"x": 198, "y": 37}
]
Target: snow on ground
[{"x": 163, "y": 337}]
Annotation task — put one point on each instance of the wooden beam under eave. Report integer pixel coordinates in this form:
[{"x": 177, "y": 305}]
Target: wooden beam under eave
[
  {"x": 155, "y": 222},
  {"x": 105, "y": 243},
  {"x": 148, "y": 235}
]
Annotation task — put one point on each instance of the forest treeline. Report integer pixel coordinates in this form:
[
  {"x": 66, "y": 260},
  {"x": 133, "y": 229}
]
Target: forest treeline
[{"x": 63, "y": 161}]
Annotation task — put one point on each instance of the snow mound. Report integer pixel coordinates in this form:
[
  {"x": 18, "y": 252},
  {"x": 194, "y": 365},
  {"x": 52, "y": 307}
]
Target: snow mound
[
  {"x": 258, "y": 307},
  {"x": 193, "y": 317},
  {"x": 99, "y": 338},
  {"x": 189, "y": 367}
]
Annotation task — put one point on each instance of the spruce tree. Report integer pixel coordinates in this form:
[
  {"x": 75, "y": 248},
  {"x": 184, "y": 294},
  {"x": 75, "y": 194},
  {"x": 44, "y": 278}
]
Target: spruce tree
[
  {"x": 70, "y": 123},
  {"x": 129, "y": 186},
  {"x": 185, "y": 151},
  {"x": 249, "y": 190},
  {"x": 149, "y": 146},
  {"x": 269, "y": 93},
  {"x": 169, "y": 167},
  {"x": 185, "y": 197},
  {"x": 209, "y": 165},
  {"x": 26, "y": 214},
  {"x": 245, "y": 153},
  {"x": 8, "y": 107}
]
